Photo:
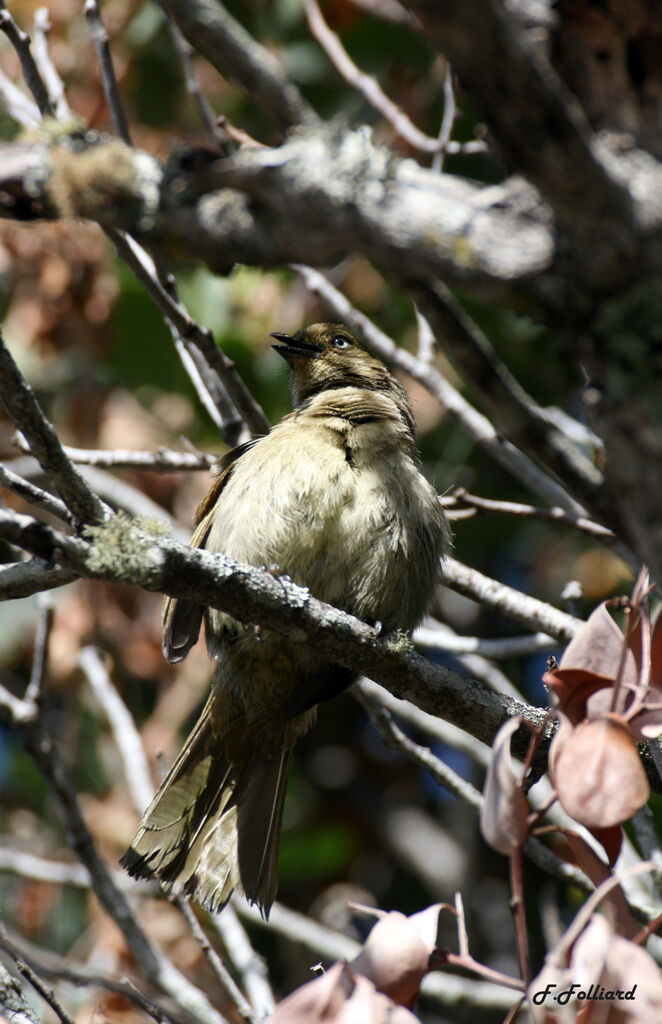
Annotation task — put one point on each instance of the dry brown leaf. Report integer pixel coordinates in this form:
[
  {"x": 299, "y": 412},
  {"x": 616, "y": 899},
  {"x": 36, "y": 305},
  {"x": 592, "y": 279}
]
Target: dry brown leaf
[
  {"x": 605, "y": 960},
  {"x": 597, "y": 648},
  {"x": 598, "y": 774},
  {"x": 504, "y": 811},
  {"x": 396, "y": 954},
  {"x": 339, "y": 997}
]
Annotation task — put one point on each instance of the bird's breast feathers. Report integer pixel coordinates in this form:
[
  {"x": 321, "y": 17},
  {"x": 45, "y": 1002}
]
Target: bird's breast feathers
[{"x": 339, "y": 505}]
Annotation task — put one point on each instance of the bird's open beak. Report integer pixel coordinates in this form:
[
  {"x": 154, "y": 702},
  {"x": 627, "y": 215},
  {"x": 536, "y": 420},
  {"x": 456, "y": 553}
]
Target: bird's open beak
[{"x": 294, "y": 348}]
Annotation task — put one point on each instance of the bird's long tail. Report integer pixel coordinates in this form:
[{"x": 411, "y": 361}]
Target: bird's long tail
[{"x": 214, "y": 826}]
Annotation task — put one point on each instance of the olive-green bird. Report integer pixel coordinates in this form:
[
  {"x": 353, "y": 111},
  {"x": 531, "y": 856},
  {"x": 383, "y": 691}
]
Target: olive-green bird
[{"x": 335, "y": 498}]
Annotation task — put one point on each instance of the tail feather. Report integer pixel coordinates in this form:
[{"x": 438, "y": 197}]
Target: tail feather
[{"x": 214, "y": 826}]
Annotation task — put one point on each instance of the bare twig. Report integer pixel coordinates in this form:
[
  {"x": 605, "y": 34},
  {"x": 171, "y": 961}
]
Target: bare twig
[
  {"x": 447, "y": 121},
  {"x": 440, "y": 637},
  {"x": 20, "y": 40},
  {"x": 218, "y": 967},
  {"x": 20, "y": 108},
  {"x": 476, "y": 425},
  {"x": 226, "y": 44},
  {"x": 38, "y": 985},
  {"x": 510, "y": 602},
  {"x": 184, "y": 52},
  {"x": 110, "y": 87},
  {"x": 35, "y": 495},
  {"x": 161, "y": 461},
  {"x": 251, "y": 967},
  {"x": 369, "y": 87},
  {"x": 53, "y": 966},
  {"x": 34, "y": 688},
  {"x": 432, "y": 725},
  {"x": 142, "y": 266},
  {"x": 253, "y": 595},
  {"x": 518, "y": 912},
  {"x": 21, "y": 579},
  {"x": 125, "y": 734},
  {"x": 449, "y": 989},
  {"x": 512, "y": 407},
  {"x": 462, "y": 497},
  {"x": 19, "y": 400},
  {"x": 13, "y": 1003},
  {"x": 52, "y": 80}
]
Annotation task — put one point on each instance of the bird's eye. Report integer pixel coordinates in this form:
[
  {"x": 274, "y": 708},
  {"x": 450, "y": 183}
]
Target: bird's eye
[{"x": 340, "y": 342}]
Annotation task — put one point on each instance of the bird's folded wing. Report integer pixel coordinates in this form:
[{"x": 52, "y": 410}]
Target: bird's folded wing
[{"x": 182, "y": 618}]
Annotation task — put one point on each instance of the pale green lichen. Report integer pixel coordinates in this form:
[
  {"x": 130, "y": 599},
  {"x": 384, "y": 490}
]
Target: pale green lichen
[
  {"x": 400, "y": 642},
  {"x": 121, "y": 544}
]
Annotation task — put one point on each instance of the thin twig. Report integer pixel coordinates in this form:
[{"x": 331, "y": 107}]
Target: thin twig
[
  {"x": 226, "y": 44},
  {"x": 462, "y": 937},
  {"x": 431, "y": 725},
  {"x": 514, "y": 409},
  {"x": 53, "y": 966},
  {"x": 522, "y": 511},
  {"x": 142, "y": 266},
  {"x": 19, "y": 107},
  {"x": 46, "y": 607},
  {"x": 52, "y": 80},
  {"x": 162, "y": 460},
  {"x": 20, "y": 40},
  {"x": 369, "y": 87},
  {"x": 447, "y": 121},
  {"x": 219, "y": 969},
  {"x": 34, "y": 495},
  {"x": 393, "y": 737},
  {"x": 19, "y": 400},
  {"x": 137, "y": 775},
  {"x": 126, "y": 736},
  {"x": 518, "y": 912},
  {"x": 22, "y": 579},
  {"x": 476, "y": 425},
  {"x": 108, "y": 77},
  {"x": 437, "y": 636},
  {"x": 251, "y": 967},
  {"x": 510, "y": 602},
  {"x": 38, "y": 985},
  {"x": 184, "y": 52},
  {"x": 13, "y": 1004}
]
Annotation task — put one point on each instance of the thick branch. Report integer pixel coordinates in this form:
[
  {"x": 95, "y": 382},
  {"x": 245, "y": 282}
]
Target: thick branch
[
  {"x": 538, "y": 125},
  {"x": 122, "y": 553}
]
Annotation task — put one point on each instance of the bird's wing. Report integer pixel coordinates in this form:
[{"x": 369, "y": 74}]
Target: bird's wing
[{"x": 182, "y": 618}]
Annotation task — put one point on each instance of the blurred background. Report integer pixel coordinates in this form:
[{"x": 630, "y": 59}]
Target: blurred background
[{"x": 361, "y": 822}]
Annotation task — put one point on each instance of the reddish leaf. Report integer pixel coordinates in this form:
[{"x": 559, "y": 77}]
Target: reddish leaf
[
  {"x": 611, "y": 840},
  {"x": 598, "y": 647},
  {"x": 505, "y": 810},
  {"x": 614, "y": 902},
  {"x": 598, "y": 774},
  {"x": 573, "y": 687}
]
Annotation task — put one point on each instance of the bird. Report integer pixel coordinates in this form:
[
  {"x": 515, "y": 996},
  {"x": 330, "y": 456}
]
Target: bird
[{"x": 334, "y": 498}]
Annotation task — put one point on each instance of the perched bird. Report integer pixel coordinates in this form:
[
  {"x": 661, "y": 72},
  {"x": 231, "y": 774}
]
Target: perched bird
[{"x": 333, "y": 497}]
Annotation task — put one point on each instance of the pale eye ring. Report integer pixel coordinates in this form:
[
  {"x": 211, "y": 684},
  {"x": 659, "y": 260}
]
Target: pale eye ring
[{"x": 340, "y": 342}]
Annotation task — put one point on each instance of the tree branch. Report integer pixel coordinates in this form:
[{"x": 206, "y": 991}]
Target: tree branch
[
  {"x": 226, "y": 44},
  {"x": 123, "y": 552}
]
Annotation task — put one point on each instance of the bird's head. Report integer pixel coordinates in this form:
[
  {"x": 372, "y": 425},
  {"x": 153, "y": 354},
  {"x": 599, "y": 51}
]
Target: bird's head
[{"x": 327, "y": 356}]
